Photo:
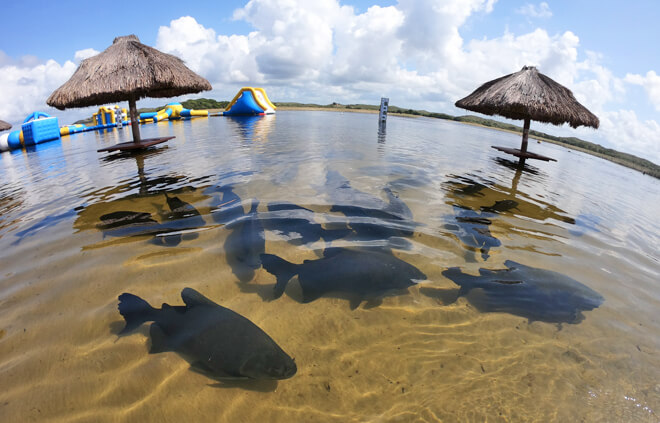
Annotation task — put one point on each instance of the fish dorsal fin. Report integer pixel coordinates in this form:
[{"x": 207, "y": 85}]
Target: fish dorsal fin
[
  {"x": 194, "y": 298},
  {"x": 512, "y": 264}
]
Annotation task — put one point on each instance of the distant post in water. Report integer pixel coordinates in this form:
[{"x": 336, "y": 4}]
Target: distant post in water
[
  {"x": 382, "y": 119},
  {"x": 382, "y": 116}
]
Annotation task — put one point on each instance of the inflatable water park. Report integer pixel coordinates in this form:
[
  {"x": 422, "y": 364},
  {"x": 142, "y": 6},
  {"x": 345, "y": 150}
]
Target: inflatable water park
[
  {"x": 250, "y": 101},
  {"x": 40, "y": 127}
]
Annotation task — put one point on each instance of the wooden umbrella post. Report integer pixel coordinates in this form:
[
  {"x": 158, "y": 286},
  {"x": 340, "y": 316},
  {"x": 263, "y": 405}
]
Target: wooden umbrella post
[
  {"x": 135, "y": 122},
  {"x": 525, "y": 135}
]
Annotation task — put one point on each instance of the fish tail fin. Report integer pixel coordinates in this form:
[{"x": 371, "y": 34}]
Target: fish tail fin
[
  {"x": 282, "y": 269},
  {"x": 135, "y": 311}
]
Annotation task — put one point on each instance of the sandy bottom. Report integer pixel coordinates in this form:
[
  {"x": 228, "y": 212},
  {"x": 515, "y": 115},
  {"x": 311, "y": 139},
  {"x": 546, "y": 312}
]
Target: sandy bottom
[{"x": 413, "y": 358}]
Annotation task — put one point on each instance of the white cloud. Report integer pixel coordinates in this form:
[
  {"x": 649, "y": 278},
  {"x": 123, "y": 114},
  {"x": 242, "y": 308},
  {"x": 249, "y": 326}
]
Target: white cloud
[
  {"x": 623, "y": 131},
  {"x": 26, "y": 88},
  {"x": 81, "y": 55},
  {"x": 542, "y": 10},
  {"x": 651, "y": 84}
]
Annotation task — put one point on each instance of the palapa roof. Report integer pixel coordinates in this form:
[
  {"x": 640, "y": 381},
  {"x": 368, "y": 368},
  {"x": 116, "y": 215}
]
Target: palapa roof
[
  {"x": 127, "y": 69},
  {"x": 529, "y": 94},
  {"x": 4, "y": 125}
]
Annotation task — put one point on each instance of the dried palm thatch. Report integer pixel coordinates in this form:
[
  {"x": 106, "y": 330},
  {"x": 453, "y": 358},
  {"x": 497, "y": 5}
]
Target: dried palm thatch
[
  {"x": 529, "y": 95},
  {"x": 4, "y": 125},
  {"x": 127, "y": 70}
]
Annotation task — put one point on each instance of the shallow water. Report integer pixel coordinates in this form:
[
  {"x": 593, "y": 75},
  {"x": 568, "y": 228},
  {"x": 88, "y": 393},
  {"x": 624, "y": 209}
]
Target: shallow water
[{"x": 421, "y": 354}]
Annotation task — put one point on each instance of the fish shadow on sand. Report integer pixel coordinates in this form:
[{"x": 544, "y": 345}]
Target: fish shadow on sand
[
  {"x": 356, "y": 274},
  {"x": 217, "y": 341},
  {"x": 179, "y": 223},
  {"x": 472, "y": 229},
  {"x": 536, "y": 294}
]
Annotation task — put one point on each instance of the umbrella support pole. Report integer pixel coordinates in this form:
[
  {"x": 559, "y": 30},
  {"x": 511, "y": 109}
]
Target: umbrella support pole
[
  {"x": 525, "y": 136},
  {"x": 135, "y": 122},
  {"x": 523, "y": 146}
]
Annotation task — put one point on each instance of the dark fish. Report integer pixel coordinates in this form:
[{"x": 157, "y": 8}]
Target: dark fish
[
  {"x": 372, "y": 218},
  {"x": 500, "y": 206},
  {"x": 217, "y": 340},
  {"x": 472, "y": 230},
  {"x": 396, "y": 206},
  {"x": 298, "y": 225},
  {"x": 44, "y": 223},
  {"x": 245, "y": 243},
  {"x": 362, "y": 274},
  {"x": 228, "y": 208},
  {"x": 341, "y": 193},
  {"x": 536, "y": 294}
]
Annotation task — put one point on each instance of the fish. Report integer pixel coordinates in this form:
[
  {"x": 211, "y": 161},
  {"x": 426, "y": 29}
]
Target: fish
[
  {"x": 228, "y": 208},
  {"x": 245, "y": 243},
  {"x": 46, "y": 222},
  {"x": 500, "y": 206},
  {"x": 536, "y": 294},
  {"x": 370, "y": 217},
  {"x": 298, "y": 225},
  {"x": 472, "y": 229},
  {"x": 359, "y": 273},
  {"x": 217, "y": 340},
  {"x": 341, "y": 193}
]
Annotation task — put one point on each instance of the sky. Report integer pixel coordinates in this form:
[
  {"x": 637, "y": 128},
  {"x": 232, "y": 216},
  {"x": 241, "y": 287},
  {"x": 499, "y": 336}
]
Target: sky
[{"x": 422, "y": 54}]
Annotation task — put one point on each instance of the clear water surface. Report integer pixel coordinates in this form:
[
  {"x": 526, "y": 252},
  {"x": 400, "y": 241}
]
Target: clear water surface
[{"x": 428, "y": 352}]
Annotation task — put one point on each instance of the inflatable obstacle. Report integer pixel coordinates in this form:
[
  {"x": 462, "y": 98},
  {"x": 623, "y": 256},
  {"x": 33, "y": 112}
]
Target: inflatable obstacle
[
  {"x": 37, "y": 128},
  {"x": 250, "y": 101},
  {"x": 172, "y": 111},
  {"x": 109, "y": 117}
]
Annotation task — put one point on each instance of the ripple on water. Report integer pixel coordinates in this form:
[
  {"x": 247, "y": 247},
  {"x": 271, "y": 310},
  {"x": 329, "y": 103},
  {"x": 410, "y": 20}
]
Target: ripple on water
[{"x": 79, "y": 228}]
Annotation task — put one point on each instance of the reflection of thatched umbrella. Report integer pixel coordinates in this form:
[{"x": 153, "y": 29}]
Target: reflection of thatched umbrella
[
  {"x": 4, "y": 125},
  {"x": 528, "y": 95},
  {"x": 127, "y": 70}
]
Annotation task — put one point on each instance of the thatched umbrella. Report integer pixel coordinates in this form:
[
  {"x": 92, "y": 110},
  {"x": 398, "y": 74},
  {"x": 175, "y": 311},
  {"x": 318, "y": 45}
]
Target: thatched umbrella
[
  {"x": 127, "y": 70},
  {"x": 528, "y": 95},
  {"x": 4, "y": 125}
]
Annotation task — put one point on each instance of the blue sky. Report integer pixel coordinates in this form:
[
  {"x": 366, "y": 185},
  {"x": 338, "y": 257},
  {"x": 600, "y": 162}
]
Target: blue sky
[{"x": 422, "y": 54}]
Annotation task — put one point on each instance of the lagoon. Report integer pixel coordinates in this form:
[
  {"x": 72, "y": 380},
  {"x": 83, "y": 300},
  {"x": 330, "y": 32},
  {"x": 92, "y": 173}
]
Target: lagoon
[{"x": 427, "y": 352}]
